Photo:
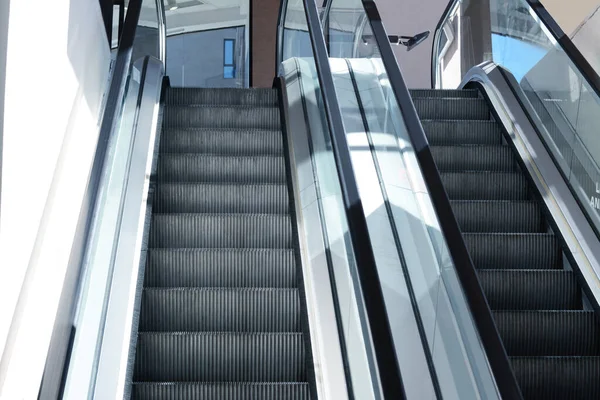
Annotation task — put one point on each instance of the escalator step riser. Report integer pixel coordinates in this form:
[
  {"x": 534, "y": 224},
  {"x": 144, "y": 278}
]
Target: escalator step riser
[
  {"x": 474, "y": 158},
  {"x": 485, "y": 185},
  {"x": 222, "y": 96},
  {"x": 530, "y": 290},
  {"x": 220, "y": 230},
  {"x": 558, "y": 378},
  {"x": 231, "y": 117},
  {"x": 223, "y": 169},
  {"x": 220, "y": 357},
  {"x": 514, "y": 251},
  {"x": 543, "y": 333},
  {"x": 220, "y": 310},
  {"x": 448, "y": 133},
  {"x": 216, "y": 198},
  {"x": 445, "y": 93},
  {"x": 220, "y": 268},
  {"x": 221, "y": 391},
  {"x": 498, "y": 216},
  {"x": 226, "y": 142},
  {"x": 436, "y": 108}
]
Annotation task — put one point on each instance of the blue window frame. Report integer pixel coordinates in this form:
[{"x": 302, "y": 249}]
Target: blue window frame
[{"x": 229, "y": 58}]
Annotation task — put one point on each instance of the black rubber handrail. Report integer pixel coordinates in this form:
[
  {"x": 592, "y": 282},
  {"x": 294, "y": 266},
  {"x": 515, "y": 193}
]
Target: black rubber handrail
[
  {"x": 467, "y": 274},
  {"x": 388, "y": 370}
]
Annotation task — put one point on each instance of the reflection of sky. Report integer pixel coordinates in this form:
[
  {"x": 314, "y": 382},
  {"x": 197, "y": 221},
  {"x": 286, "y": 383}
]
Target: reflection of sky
[{"x": 516, "y": 55}]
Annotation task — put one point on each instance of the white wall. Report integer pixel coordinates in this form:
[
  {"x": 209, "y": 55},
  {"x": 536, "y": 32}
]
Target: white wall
[{"x": 56, "y": 73}]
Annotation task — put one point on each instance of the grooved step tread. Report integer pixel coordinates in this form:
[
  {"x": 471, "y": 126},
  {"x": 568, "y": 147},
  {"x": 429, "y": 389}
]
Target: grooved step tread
[
  {"x": 491, "y": 216},
  {"x": 485, "y": 185},
  {"x": 223, "y": 116},
  {"x": 464, "y": 132},
  {"x": 220, "y": 268},
  {"x": 452, "y": 108},
  {"x": 221, "y": 230},
  {"x": 190, "y": 197},
  {"x": 530, "y": 289},
  {"x": 549, "y": 333},
  {"x": 223, "y": 169},
  {"x": 514, "y": 250},
  {"x": 223, "y": 96},
  {"x": 222, "y": 141},
  {"x": 474, "y": 158},
  {"x": 220, "y": 357},
  {"x": 220, "y": 310},
  {"x": 220, "y": 391},
  {"x": 445, "y": 93}
]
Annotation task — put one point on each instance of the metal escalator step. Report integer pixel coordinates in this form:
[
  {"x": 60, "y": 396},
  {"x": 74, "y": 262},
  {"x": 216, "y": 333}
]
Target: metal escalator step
[
  {"x": 448, "y": 108},
  {"x": 474, "y": 158},
  {"x": 220, "y": 391},
  {"x": 226, "y": 169},
  {"x": 220, "y": 357},
  {"x": 558, "y": 378},
  {"x": 225, "y": 198},
  {"x": 445, "y": 93},
  {"x": 452, "y": 132},
  {"x": 549, "y": 333},
  {"x": 514, "y": 250},
  {"x": 220, "y": 310},
  {"x": 221, "y": 230},
  {"x": 485, "y": 185},
  {"x": 530, "y": 289},
  {"x": 220, "y": 268},
  {"x": 498, "y": 216},
  {"x": 222, "y": 141},
  {"x": 222, "y": 96},
  {"x": 232, "y": 117}
]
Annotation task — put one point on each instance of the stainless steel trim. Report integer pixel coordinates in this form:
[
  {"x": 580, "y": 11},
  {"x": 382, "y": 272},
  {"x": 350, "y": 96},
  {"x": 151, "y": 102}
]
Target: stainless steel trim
[
  {"x": 580, "y": 238},
  {"x": 162, "y": 32},
  {"x": 113, "y": 361}
]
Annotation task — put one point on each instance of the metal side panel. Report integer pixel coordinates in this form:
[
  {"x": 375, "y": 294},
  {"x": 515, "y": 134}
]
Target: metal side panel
[
  {"x": 110, "y": 378},
  {"x": 324, "y": 330},
  {"x": 570, "y": 220}
]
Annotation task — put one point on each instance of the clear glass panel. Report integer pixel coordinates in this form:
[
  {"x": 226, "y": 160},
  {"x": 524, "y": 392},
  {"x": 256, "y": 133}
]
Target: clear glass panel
[
  {"x": 394, "y": 193},
  {"x": 552, "y": 87},
  {"x": 146, "y": 34},
  {"x": 197, "y": 36}
]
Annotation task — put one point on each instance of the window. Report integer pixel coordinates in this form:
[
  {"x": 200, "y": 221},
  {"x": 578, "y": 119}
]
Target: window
[{"x": 228, "y": 59}]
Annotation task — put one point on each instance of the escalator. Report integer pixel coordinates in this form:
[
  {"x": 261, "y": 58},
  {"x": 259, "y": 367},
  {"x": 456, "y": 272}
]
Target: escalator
[
  {"x": 221, "y": 311},
  {"x": 551, "y": 338}
]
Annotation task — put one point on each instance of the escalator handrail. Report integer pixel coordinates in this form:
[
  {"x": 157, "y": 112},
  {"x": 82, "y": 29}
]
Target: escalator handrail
[
  {"x": 589, "y": 74},
  {"x": 388, "y": 368},
  {"x": 467, "y": 274}
]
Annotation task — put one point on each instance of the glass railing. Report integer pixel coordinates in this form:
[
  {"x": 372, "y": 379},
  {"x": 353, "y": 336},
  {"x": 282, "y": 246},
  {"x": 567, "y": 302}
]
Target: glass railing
[
  {"x": 141, "y": 40},
  {"x": 562, "y": 99},
  {"x": 391, "y": 179}
]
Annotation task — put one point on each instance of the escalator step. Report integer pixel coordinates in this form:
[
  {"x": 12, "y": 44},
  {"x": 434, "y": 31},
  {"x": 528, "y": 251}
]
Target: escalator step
[
  {"x": 514, "y": 250},
  {"x": 222, "y": 96},
  {"x": 226, "y": 169},
  {"x": 558, "y": 378},
  {"x": 220, "y": 268},
  {"x": 474, "y": 158},
  {"x": 222, "y": 141},
  {"x": 485, "y": 185},
  {"x": 220, "y": 391},
  {"x": 448, "y": 108},
  {"x": 445, "y": 93},
  {"x": 452, "y": 132},
  {"x": 241, "y": 117},
  {"x": 220, "y": 357},
  {"x": 498, "y": 216},
  {"x": 226, "y": 198},
  {"x": 221, "y": 230},
  {"x": 220, "y": 310},
  {"x": 530, "y": 289},
  {"x": 549, "y": 333}
]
